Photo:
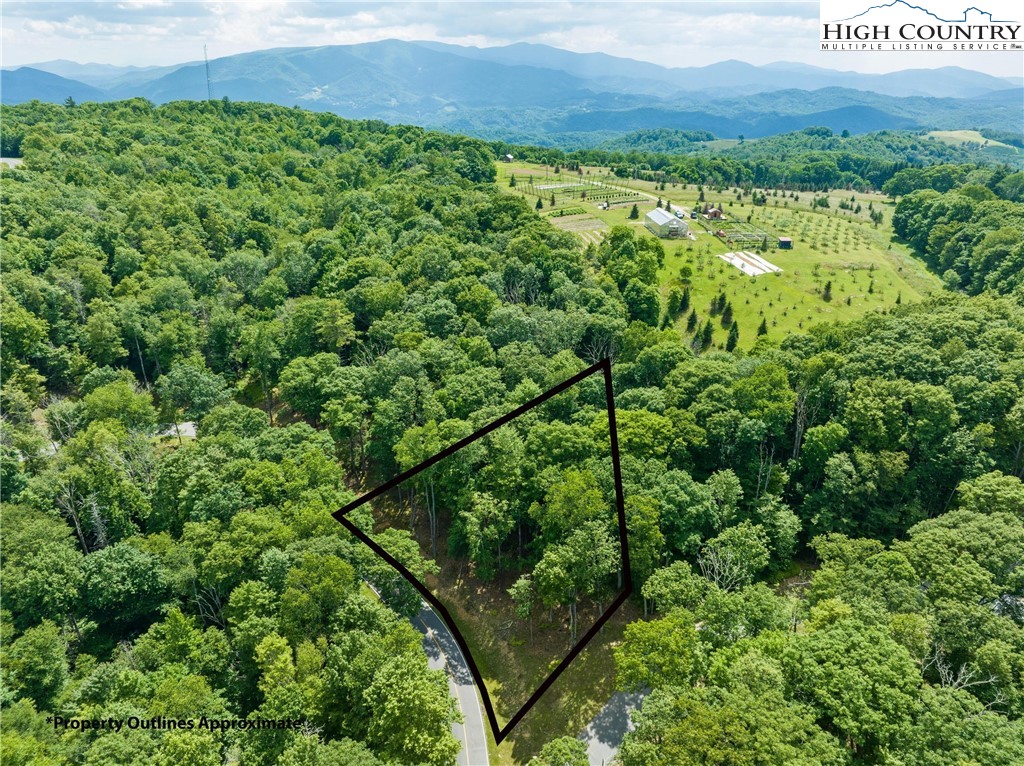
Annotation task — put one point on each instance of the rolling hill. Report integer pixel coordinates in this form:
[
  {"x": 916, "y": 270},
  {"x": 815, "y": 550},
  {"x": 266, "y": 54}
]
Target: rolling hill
[{"x": 539, "y": 94}]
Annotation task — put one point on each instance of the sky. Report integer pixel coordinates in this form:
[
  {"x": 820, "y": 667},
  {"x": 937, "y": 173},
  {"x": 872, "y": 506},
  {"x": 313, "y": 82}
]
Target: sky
[{"x": 162, "y": 32}]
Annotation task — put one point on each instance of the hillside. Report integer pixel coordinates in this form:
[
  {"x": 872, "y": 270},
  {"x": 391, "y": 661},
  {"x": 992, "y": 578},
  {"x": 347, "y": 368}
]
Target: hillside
[
  {"x": 25, "y": 84},
  {"x": 543, "y": 95},
  {"x": 818, "y": 469},
  {"x": 224, "y": 322}
]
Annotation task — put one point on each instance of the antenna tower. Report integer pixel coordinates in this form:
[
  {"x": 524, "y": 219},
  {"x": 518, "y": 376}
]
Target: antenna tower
[{"x": 209, "y": 90}]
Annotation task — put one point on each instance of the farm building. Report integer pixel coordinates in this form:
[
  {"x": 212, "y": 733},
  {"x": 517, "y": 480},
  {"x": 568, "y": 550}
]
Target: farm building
[
  {"x": 713, "y": 213},
  {"x": 663, "y": 224},
  {"x": 785, "y": 243}
]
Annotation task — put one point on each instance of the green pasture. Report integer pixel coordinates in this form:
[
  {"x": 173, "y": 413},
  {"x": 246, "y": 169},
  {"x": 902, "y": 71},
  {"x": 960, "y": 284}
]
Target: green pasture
[{"x": 867, "y": 270}]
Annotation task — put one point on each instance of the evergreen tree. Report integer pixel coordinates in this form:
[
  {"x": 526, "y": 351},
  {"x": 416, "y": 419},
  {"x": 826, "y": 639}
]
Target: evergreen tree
[
  {"x": 512, "y": 181},
  {"x": 734, "y": 337},
  {"x": 691, "y": 321},
  {"x": 763, "y": 327},
  {"x": 686, "y": 301},
  {"x": 899, "y": 298},
  {"x": 552, "y": 199},
  {"x": 706, "y": 336},
  {"x": 827, "y": 294},
  {"x": 659, "y": 202},
  {"x": 634, "y": 213},
  {"x": 675, "y": 303},
  {"x": 727, "y": 315},
  {"x": 540, "y": 204}
]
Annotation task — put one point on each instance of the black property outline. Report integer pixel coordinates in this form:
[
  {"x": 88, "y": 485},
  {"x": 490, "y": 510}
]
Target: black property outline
[{"x": 500, "y": 733}]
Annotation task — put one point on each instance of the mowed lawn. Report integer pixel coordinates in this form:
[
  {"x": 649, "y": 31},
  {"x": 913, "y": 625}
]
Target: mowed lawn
[{"x": 867, "y": 270}]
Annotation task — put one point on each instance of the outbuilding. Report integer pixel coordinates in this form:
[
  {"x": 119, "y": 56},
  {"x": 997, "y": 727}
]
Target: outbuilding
[
  {"x": 785, "y": 243},
  {"x": 663, "y": 224}
]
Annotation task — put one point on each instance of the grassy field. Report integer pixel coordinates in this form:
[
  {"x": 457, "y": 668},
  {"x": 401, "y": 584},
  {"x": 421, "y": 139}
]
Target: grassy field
[
  {"x": 867, "y": 271},
  {"x": 957, "y": 137},
  {"x": 724, "y": 143}
]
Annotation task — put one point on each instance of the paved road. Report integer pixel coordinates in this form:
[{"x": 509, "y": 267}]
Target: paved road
[
  {"x": 604, "y": 734},
  {"x": 444, "y": 654},
  {"x": 185, "y": 429}
]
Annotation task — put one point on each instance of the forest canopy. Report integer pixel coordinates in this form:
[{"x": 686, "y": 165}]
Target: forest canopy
[{"x": 826, "y": 531}]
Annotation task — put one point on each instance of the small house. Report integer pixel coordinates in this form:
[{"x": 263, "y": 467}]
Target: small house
[
  {"x": 713, "y": 213},
  {"x": 508, "y": 158},
  {"x": 785, "y": 243},
  {"x": 663, "y": 224}
]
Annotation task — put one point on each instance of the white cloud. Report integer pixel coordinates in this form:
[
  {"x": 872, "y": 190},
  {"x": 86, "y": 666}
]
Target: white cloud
[{"x": 145, "y": 32}]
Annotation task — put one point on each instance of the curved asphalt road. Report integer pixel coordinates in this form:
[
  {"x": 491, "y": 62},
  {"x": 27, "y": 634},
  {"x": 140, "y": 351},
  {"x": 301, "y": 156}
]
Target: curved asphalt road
[{"x": 444, "y": 654}]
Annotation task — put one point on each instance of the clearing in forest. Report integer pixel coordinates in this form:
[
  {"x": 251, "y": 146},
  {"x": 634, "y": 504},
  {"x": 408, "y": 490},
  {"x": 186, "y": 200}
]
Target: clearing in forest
[{"x": 514, "y": 533}]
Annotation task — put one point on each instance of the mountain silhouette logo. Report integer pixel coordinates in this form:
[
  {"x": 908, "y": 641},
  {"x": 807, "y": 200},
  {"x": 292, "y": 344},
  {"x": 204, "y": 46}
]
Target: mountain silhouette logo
[{"x": 905, "y": 6}]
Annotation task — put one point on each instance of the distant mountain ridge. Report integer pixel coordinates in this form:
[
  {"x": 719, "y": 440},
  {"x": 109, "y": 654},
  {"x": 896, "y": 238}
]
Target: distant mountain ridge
[
  {"x": 27, "y": 83},
  {"x": 539, "y": 94}
]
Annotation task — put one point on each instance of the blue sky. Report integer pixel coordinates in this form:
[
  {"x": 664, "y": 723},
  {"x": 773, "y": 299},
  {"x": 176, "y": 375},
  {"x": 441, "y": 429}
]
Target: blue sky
[{"x": 150, "y": 32}]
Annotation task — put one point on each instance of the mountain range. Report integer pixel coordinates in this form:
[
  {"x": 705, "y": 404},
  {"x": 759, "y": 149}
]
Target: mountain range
[{"x": 539, "y": 94}]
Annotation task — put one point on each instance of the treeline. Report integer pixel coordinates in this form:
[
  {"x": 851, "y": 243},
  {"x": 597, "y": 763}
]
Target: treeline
[
  {"x": 812, "y": 159},
  {"x": 657, "y": 141},
  {"x": 868, "y": 660},
  {"x": 1004, "y": 136},
  {"x": 968, "y": 226},
  {"x": 998, "y": 181}
]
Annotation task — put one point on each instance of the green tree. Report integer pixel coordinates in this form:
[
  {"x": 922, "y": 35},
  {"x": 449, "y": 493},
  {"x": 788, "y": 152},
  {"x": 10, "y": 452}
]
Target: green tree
[
  {"x": 706, "y": 336},
  {"x": 411, "y": 713},
  {"x": 745, "y": 720},
  {"x": 103, "y": 338},
  {"x": 42, "y": 572},
  {"x": 858, "y": 679},
  {"x": 120, "y": 401},
  {"x": 37, "y": 664},
  {"x": 190, "y": 388},
  {"x": 734, "y": 337},
  {"x": 735, "y": 556},
  {"x": 488, "y": 522},
  {"x": 664, "y": 652},
  {"x": 123, "y": 584},
  {"x": 570, "y": 502},
  {"x": 416, "y": 445},
  {"x": 564, "y": 751},
  {"x": 260, "y": 349},
  {"x": 577, "y": 568},
  {"x": 309, "y": 383},
  {"x": 643, "y": 302}
]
